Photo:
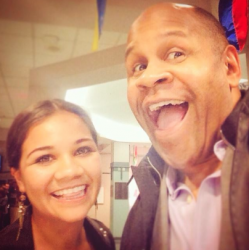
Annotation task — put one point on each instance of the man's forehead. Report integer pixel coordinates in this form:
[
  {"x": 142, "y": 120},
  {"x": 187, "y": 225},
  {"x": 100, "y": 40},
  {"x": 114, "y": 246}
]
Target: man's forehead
[
  {"x": 166, "y": 8},
  {"x": 163, "y": 12},
  {"x": 162, "y": 20},
  {"x": 168, "y": 16}
]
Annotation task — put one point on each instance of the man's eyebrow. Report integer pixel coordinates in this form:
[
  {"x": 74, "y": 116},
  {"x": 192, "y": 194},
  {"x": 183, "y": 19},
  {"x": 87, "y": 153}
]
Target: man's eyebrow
[
  {"x": 129, "y": 48},
  {"x": 173, "y": 33},
  {"x": 178, "y": 33},
  {"x": 39, "y": 149}
]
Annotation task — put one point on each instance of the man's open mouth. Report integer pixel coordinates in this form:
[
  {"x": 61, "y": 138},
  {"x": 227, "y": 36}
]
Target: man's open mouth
[
  {"x": 70, "y": 193},
  {"x": 167, "y": 114}
]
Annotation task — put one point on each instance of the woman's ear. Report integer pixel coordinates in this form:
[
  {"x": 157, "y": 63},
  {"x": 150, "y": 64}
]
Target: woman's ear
[
  {"x": 232, "y": 64},
  {"x": 18, "y": 177}
]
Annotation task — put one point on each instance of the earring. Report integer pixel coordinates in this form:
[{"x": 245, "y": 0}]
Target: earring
[
  {"x": 21, "y": 211},
  {"x": 96, "y": 208}
]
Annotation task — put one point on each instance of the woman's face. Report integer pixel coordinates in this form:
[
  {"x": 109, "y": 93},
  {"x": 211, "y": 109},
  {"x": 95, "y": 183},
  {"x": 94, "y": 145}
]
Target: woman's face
[{"x": 60, "y": 168}]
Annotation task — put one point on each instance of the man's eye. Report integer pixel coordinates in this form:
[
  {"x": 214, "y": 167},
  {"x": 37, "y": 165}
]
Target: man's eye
[
  {"x": 44, "y": 159},
  {"x": 139, "y": 67},
  {"x": 83, "y": 150},
  {"x": 174, "y": 55}
]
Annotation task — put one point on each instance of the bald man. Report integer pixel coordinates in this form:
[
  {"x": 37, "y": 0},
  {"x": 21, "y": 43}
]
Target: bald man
[{"x": 183, "y": 89}]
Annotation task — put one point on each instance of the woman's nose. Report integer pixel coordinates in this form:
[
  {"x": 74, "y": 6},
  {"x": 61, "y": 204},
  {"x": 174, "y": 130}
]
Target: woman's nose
[{"x": 68, "y": 168}]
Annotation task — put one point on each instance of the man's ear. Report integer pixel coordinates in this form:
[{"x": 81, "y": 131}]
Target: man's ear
[
  {"x": 232, "y": 65},
  {"x": 17, "y": 175}
]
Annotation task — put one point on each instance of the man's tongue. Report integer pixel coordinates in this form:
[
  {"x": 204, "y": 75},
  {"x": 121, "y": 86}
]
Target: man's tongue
[{"x": 170, "y": 115}]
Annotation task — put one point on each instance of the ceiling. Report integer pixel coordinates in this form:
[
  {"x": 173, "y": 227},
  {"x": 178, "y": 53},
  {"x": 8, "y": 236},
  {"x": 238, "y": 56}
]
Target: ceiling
[{"x": 46, "y": 49}]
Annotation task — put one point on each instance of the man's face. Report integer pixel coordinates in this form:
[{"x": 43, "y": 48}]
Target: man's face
[{"x": 177, "y": 86}]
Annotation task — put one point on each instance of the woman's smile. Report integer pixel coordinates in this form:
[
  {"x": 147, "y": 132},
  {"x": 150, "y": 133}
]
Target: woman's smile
[{"x": 77, "y": 192}]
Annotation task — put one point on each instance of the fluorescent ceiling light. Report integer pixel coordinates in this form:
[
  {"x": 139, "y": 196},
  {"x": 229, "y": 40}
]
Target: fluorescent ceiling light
[
  {"x": 108, "y": 107},
  {"x": 243, "y": 81},
  {"x": 183, "y": 5},
  {"x": 117, "y": 131},
  {"x": 243, "y": 84}
]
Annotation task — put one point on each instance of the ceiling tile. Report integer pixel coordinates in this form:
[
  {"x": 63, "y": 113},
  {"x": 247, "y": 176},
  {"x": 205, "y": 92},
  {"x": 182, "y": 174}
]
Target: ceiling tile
[
  {"x": 109, "y": 37},
  {"x": 5, "y": 122},
  {"x": 14, "y": 43},
  {"x": 15, "y": 27},
  {"x": 43, "y": 59},
  {"x": 1, "y": 81},
  {"x": 82, "y": 48},
  {"x": 19, "y": 97},
  {"x": 5, "y": 105},
  {"x": 17, "y": 82},
  {"x": 62, "y": 33},
  {"x": 122, "y": 39},
  {"x": 85, "y": 35},
  {"x": 53, "y": 47},
  {"x": 10, "y": 71},
  {"x": 16, "y": 59},
  {"x": 18, "y": 93},
  {"x": 103, "y": 46},
  {"x": 20, "y": 106}
]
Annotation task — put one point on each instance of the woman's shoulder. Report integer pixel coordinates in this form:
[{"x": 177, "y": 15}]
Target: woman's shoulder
[
  {"x": 8, "y": 236},
  {"x": 9, "y": 230},
  {"x": 97, "y": 230}
]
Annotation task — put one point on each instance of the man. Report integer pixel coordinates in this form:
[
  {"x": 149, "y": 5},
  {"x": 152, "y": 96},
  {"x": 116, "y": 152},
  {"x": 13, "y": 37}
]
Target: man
[{"x": 183, "y": 89}]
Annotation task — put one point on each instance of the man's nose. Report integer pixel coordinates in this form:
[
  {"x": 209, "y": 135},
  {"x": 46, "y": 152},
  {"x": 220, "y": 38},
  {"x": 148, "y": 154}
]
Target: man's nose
[
  {"x": 154, "y": 75},
  {"x": 68, "y": 168}
]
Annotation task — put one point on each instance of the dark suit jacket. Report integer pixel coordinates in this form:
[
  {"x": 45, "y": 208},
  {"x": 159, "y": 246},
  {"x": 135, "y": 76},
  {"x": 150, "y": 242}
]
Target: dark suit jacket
[{"x": 143, "y": 219}]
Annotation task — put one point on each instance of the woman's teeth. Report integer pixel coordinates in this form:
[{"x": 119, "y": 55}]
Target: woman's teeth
[{"x": 70, "y": 192}]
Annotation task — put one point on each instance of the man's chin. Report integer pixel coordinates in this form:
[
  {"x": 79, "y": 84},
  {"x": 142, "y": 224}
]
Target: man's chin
[{"x": 174, "y": 156}]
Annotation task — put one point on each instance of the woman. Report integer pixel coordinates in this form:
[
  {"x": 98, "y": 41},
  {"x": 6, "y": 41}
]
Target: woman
[{"x": 53, "y": 154}]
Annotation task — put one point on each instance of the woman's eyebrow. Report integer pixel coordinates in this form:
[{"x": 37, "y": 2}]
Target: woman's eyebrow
[
  {"x": 39, "y": 149},
  {"x": 50, "y": 147},
  {"x": 82, "y": 140}
]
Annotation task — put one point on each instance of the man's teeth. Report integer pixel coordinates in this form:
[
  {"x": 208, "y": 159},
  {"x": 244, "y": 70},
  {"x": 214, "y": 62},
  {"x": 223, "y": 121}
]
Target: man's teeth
[
  {"x": 69, "y": 191},
  {"x": 158, "y": 105}
]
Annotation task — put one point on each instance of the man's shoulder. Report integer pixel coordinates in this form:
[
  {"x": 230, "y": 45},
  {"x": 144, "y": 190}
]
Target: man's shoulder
[
  {"x": 230, "y": 126},
  {"x": 132, "y": 236},
  {"x": 152, "y": 158}
]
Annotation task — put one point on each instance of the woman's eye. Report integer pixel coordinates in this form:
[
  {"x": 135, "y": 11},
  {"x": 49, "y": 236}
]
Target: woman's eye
[
  {"x": 174, "y": 55},
  {"x": 83, "y": 150},
  {"x": 44, "y": 159},
  {"x": 139, "y": 67}
]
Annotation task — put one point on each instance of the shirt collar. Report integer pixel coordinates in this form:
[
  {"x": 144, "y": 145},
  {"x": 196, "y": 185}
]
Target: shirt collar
[
  {"x": 220, "y": 149},
  {"x": 171, "y": 181},
  {"x": 172, "y": 178},
  {"x": 174, "y": 186}
]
